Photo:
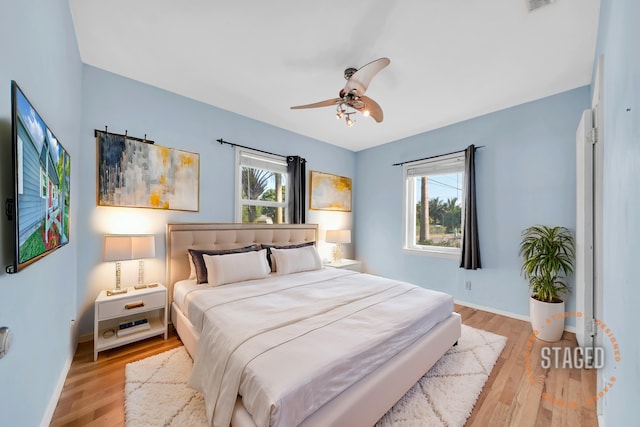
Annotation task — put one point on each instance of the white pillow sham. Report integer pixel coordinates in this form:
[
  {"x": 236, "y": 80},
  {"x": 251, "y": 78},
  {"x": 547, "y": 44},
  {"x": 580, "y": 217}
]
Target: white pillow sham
[
  {"x": 223, "y": 269},
  {"x": 289, "y": 261}
]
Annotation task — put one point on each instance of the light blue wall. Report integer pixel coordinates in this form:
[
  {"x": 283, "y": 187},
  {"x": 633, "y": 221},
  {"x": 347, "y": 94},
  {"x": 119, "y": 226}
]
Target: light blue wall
[
  {"x": 39, "y": 51},
  {"x": 178, "y": 122},
  {"x": 618, "y": 41},
  {"x": 525, "y": 175}
]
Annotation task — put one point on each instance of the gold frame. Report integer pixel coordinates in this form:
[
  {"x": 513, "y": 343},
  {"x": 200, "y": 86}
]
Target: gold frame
[{"x": 332, "y": 192}]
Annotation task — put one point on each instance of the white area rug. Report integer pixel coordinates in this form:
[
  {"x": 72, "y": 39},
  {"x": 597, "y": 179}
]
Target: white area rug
[{"x": 156, "y": 392}]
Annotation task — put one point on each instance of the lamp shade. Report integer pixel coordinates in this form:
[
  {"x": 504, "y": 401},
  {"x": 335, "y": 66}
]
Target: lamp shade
[
  {"x": 119, "y": 247},
  {"x": 338, "y": 236}
]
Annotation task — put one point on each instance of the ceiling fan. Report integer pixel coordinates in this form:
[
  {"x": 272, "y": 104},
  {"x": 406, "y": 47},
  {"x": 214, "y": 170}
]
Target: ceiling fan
[{"x": 352, "y": 95}]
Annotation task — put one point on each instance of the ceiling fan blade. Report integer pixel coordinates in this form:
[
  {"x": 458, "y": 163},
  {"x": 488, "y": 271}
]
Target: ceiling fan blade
[
  {"x": 372, "y": 106},
  {"x": 360, "y": 80},
  {"x": 327, "y": 103}
]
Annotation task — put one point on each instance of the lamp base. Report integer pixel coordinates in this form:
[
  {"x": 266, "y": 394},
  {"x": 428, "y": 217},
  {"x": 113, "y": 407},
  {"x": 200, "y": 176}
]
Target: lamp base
[
  {"x": 117, "y": 291},
  {"x": 337, "y": 253}
]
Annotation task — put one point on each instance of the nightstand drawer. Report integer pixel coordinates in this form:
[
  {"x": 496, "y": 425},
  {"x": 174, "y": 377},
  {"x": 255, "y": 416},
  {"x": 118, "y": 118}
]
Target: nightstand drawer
[{"x": 132, "y": 305}]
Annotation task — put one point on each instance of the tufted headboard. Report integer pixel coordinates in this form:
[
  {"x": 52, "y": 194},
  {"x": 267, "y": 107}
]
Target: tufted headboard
[{"x": 183, "y": 236}]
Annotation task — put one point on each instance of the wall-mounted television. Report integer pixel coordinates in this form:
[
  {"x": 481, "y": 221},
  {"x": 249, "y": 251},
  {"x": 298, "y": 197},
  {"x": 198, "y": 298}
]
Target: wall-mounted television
[{"x": 41, "y": 169}]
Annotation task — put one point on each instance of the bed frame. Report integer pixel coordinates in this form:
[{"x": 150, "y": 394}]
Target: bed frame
[{"x": 364, "y": 402}]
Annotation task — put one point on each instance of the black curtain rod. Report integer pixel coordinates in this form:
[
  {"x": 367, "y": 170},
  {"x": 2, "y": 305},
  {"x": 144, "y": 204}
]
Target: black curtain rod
[
  {"x": 222, "y": 141},
  {"x": 148, "y": 141},
  {"x": 435, "y": 157}
]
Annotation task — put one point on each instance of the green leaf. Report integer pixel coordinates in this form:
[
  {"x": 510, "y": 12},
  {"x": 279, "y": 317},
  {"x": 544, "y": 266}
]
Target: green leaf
[{"x": 548, "y": 256}]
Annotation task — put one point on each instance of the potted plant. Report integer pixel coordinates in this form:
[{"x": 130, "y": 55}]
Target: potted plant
[{"x": 548, "y": 258}]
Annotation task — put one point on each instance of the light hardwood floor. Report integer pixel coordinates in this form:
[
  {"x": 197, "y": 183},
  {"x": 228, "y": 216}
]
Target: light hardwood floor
[{"x": 93, "y": 393}]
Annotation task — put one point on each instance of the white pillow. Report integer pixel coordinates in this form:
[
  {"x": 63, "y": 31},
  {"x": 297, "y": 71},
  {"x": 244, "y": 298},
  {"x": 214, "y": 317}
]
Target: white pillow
[
  {"x": 298, "y": 259},
  {"x": 223, "y": 269}
]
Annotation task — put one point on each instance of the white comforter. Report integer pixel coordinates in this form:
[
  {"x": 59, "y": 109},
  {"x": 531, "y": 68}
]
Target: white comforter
[{"x": 289, "y": 344}]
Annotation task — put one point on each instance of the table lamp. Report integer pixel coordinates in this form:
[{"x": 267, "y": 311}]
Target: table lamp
[
  {"x": 119, "y": 247},
  {"x": 338, "y": 237}
]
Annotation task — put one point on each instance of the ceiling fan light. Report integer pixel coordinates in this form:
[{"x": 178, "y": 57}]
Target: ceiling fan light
[
  {"x": 349, "y": 121},
  {"x": 366, "y": 113}
]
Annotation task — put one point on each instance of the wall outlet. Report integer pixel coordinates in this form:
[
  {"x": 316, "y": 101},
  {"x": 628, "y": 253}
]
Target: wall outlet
[{"x": 467, "y": 285}]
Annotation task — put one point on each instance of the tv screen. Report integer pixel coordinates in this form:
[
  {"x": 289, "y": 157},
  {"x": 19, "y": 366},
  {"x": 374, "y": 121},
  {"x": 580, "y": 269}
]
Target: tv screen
[{"x": 41, "y": 168}]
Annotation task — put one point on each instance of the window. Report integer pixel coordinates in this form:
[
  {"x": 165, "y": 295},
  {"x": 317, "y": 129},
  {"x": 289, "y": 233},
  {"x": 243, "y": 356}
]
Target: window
[
  {"x": 43, "y": 183},
  {"x": 434, "y": 226},
  {"x": 261, "y": 187}
]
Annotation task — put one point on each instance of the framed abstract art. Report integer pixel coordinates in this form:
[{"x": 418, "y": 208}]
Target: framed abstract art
[
  {"x": 330, "y": 192},
  {"x": 138, "y": 174}
]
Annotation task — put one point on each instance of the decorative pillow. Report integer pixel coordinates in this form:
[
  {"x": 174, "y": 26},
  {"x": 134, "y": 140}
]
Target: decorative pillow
[
  {"x": 298, "y": 259},
  {"x": 268, "y": 247},
  {"x": 192, "y": 267},
  {"x": 223, "y": 269},
  {"x": 198, "y": 261}
]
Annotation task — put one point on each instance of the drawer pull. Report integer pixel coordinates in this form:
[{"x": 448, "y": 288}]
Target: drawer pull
[{"x": 134, "y": 305}]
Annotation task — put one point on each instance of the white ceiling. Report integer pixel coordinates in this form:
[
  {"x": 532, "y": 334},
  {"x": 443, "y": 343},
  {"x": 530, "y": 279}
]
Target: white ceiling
[{"x": 451, "y": 60}]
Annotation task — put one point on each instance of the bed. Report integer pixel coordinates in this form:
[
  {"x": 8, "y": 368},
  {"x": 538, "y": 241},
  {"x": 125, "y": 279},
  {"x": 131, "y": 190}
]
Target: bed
[{"x": 316, "y": 381}]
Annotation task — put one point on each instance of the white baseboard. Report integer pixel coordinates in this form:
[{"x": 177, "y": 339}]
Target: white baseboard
[
  {"x": 55, "y": 396},
  {"x": 600, "y": 421},
  {"x": 493, "y": 310},
  {"x": 567, "y": 328}
]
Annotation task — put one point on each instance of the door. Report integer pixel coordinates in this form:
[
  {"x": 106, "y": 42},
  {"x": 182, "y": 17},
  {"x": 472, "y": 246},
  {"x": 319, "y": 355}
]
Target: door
[
  {"x": 589, "y": 214},
  {"x": 597, "y": 104},
  {"x": 584, "y": 230}
]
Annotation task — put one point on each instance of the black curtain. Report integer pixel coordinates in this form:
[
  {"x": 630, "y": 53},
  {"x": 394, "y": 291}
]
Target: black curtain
[
  {"x": 298, "y": 181},
  {"x": 470, "y": 242}
]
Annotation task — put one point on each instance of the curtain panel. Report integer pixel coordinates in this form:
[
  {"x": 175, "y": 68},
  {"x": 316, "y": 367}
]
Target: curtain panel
[
  {"x": 470, "y": 259},
  {"x": 296, "y": 168}
]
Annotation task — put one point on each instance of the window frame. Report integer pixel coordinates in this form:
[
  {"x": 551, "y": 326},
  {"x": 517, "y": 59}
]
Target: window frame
[
  {"x": 259, "y": 160},
  {"x": 439, "y": 165}
]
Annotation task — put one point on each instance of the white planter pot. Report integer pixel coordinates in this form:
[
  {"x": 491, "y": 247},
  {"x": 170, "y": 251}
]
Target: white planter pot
[{"x": 547, "y": 318}]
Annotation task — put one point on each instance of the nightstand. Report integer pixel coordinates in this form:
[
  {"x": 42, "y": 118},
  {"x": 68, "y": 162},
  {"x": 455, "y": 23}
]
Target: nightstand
[
  {"x": 346, "y": 264},
  {"x": 144, "y": 310}
]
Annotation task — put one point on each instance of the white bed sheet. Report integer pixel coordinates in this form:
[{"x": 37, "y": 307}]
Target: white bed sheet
[
  {"x": 283, "y": 394},
  {"x": 180, "y": 291}
]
